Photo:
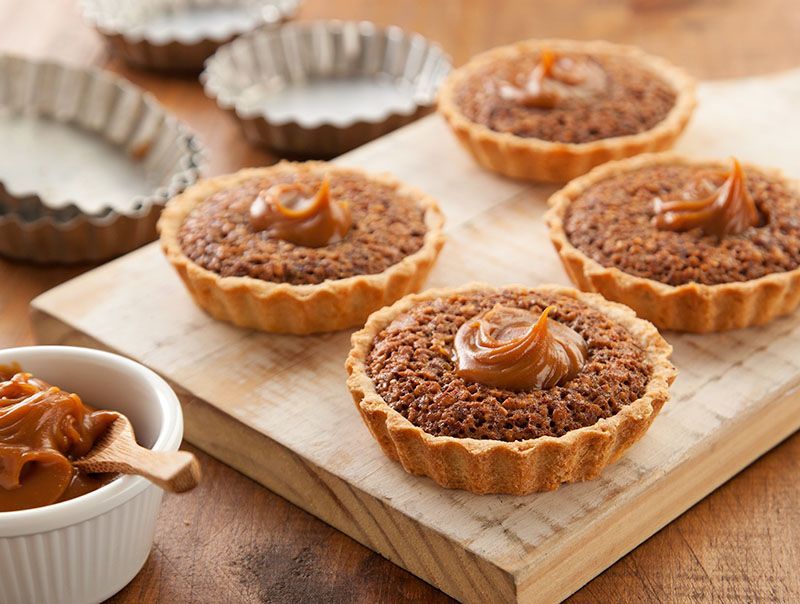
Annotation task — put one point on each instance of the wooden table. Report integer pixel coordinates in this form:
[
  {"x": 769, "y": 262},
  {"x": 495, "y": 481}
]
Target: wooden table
[{"x": 233, "y": 541}]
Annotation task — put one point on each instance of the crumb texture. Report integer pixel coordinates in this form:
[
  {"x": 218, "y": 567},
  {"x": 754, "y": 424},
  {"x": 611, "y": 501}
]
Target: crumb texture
[
  {"x": 635, "y": 100},
  {"x": 412, "y": 365},
  {"x": 387, "y": 227},
  {"x": 612, "y": 223}
]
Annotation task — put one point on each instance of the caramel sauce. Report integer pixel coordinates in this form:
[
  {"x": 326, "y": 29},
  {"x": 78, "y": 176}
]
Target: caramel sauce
[
  {"x": 726, "y": 210},
  {"x": 511, "y": 348},
  {"x": 556, "y": 79},
  {"x": 295, "y": 213},
  {"x": 42, "y": 430}
]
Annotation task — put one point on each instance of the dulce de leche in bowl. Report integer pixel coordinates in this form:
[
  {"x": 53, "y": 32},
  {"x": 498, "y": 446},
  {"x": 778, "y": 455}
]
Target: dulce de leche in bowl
[
  {"x": 42, "y": 430},
  {"x": 66, "y": 536}
]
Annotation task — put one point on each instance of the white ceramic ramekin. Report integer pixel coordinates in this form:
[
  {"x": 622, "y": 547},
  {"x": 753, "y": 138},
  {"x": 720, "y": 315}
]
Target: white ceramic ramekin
[{"x": 87, "y": 549}]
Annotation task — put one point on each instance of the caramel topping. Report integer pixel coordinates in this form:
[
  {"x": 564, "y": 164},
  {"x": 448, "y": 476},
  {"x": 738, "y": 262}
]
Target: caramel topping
[
  {"x": 42, "y": 429},
  {"x": 726, "y": 210},
  {"x": 556, "y": 79},
  {"x": 294, "y": 213},
  {"x": 510, "y": 348}
]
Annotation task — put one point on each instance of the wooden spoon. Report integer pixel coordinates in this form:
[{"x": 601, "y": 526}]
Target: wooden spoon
[{"x": 117, "y": 451}]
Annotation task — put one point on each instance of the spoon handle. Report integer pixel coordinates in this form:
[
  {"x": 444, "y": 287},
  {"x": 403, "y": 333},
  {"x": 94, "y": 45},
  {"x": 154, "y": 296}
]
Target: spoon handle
[{"x": 173, "y": 471}]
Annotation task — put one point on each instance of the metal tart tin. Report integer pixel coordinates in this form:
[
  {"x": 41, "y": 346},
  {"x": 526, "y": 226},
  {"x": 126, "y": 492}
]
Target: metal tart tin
[
  {"x": 320, "y": 88},
  {"x": 178, "y": 35},
  {"x": 89, "y": 161}
]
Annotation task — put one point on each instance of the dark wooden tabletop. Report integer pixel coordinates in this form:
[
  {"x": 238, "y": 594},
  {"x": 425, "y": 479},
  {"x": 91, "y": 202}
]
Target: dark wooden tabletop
[{"x": 232, "y": 540}]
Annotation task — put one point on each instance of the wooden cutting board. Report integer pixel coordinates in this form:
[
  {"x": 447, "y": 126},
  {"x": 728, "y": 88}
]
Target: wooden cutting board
[{"x": 276, "y": 407}]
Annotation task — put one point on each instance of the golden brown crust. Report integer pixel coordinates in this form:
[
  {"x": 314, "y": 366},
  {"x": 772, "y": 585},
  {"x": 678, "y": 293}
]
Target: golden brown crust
[
  {"x": 693, "y": 307},
  {"x": 298, "y": 309},
  {"x": 520, "y": 467},
  {"x": 546, "y": 161}
]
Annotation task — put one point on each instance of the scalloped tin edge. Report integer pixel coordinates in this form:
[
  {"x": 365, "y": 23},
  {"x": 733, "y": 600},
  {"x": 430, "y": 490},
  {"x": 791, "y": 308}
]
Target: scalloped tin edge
[
  {"x": 185, "y": 51},
  {"x": 104, "y": 104},
  {"x": 304, "y": 50}
]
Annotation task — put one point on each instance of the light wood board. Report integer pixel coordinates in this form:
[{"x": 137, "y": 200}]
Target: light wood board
[{"x": 276, "y": 407}]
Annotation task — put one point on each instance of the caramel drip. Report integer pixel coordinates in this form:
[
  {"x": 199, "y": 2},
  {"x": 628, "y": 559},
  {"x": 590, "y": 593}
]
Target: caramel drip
[
  {"x": 42, "y": 429},
  {"x": 544, "y": 69},
  {"x": 295, "y": 213},
  {"x": 729, "y": 210},
  {"x": 509, "y": 348},
  {"x": 556, "y": 79}
]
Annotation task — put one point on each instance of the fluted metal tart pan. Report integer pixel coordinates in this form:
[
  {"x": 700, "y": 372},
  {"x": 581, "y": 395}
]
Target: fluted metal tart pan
[
  {"x": 178, "y": 35},
  {"x": 320, "y": 88},
  {"x": 89, "y": 161}
]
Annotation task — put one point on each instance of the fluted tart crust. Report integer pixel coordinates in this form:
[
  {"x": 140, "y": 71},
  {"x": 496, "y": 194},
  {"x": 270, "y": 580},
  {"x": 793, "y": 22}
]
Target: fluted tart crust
[
  {"x": 538, "y": 159},
  {"x": 512, "y": 442},
  {"x": 738, "y": 281},
  {"x": 263, "y": 292}
]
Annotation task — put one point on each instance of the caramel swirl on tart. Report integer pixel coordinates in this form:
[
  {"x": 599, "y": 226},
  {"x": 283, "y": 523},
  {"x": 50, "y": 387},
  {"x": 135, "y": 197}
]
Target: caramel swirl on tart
[
  {"x": 406, "y": 379},
  {"x": 556, "y": 80},
  {"x": 727, "y": 209},
  {"x": 721, "y": 252},
  {"x": 511, "y": 348},
  {"x": 294, "y": 213}
]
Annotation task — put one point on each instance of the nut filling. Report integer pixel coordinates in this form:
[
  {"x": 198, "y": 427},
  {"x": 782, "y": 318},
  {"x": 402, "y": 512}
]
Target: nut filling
[
  {"x": 613, "y": 223},
  {"x": 413, "y": 368},
  {"x": 386, "y": 227},
  {"x": 633, "y": 100}
]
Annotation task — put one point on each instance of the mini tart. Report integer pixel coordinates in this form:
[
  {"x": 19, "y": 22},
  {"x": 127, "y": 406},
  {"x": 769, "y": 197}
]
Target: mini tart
[
  {"x": 682, "y": 281},
  {"x": 275, "y": 286},
  {"x": 540, "y": 159},
  {"x": 545, "y": 437}
]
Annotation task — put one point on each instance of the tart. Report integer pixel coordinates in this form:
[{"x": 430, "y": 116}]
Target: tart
[
  {"x": 690, "y": 244},
  {"x": 550, "y": 110},
  {"x": 300, "y": 247},
  {"x": 507, "y": 390}
]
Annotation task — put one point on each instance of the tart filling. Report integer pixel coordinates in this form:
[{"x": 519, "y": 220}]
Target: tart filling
[
  {"x": 303, "y": 227},
  {"x": 567, "y": 97},
  {"x": 417, "y": 364},
  {"x": 689, "y": 223}
]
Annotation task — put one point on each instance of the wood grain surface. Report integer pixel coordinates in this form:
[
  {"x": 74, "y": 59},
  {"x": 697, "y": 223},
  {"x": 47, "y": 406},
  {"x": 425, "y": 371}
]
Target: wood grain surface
[
  {"x": 235, "y": 541},
  {"x": 275, "y": 407}
]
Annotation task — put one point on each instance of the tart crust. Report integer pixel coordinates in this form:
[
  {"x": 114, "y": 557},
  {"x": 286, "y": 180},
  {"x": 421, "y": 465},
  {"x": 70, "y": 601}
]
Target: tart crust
[
  {"x": 298, "y": 309},
  {"x": 548, "y": 161},
  {"x": 691, "y": 307},
  {"x": 518, "y": 467}
]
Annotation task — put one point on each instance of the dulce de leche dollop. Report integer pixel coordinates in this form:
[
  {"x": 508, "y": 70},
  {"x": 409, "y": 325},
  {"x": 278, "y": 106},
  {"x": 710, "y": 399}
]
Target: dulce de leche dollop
[
  {"x": 42, "y": 430},
  {"x": 725, "y": 210},
  {"x": 511, "y": 348},
  {"x": 295, "y": 213},
  {"x": 556, "y": 79}
]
